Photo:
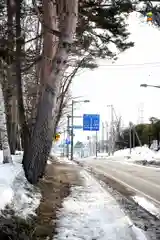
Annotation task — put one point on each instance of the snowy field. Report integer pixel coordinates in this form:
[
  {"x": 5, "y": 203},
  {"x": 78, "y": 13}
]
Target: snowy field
[{"x": 15, "y": 191}]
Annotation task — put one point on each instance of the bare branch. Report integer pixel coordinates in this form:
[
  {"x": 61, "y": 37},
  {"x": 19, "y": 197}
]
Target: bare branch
[
  {"x": 39, "y": 58},
  {"x": 32, "y": 39}
]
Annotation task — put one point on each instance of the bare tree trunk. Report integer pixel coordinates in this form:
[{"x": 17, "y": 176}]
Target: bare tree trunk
[
  {"x": 37, "y": 152},
  {"x": 9, "y": 86},
  {"x": 11, "y": 107},
  {"x": 3, "y": 131},
  {"x": 24, "y": 129}
]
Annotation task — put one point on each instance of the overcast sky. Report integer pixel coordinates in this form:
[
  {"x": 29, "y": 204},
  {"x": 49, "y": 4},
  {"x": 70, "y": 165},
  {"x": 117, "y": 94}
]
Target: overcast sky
[{"x": 120, "y": 85}]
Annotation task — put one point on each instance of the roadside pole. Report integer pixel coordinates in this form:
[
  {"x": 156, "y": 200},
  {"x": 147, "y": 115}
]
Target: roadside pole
[
  {"x": 133, "y": 139},
  {"x": 68, "y": 136},
  {"x": 64, "y": 135},
  {"x": 107, "y": 147},
  {"x": 112, "y": 130},
  {"x": 96, "y": 144},
  {"x": 72, "y": 134},
  {"x": 130, "y": 137},
  {"x": 102, "y": 143}
]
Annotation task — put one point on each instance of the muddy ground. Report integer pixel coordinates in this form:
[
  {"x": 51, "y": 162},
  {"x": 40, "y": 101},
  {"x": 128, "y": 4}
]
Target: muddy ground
[
  {"x": 139, "y": 216},
  {"x": 54, "y": 187}
]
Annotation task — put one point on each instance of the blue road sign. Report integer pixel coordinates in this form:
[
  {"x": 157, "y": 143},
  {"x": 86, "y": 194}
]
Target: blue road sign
[
  {"x": 91, "y": 122},
  {"x": 76, "y": 127},
  {"x": 67, "y": 141}
]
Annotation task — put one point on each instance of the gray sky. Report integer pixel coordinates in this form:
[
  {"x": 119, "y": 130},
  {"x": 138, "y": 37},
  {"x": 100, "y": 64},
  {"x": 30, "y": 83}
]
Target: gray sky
[{"x": 120, "y": 85}]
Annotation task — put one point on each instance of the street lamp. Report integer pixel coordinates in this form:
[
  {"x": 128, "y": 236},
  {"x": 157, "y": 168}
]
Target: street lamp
[
  {"x": 146, "y": 85},
  {"x": 72, "y": 117}
]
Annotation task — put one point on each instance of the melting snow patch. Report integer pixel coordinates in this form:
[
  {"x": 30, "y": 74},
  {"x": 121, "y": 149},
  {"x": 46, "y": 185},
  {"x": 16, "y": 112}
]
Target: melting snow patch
[
  {"x": 15, "y": 191},
  {"x": 26, "y": 197},
  {"x": 137, "y": 154},
  {"x": 149, "y": 206},
  {"x": 49, "y": 162},
  {"x": 8, "y": 173},
  {"x": 139, "y": 234},
  {"x": 92, "y": 213}
]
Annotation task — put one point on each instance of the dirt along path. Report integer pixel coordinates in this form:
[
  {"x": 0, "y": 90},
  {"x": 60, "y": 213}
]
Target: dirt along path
[{"x": 54, "y": 187}]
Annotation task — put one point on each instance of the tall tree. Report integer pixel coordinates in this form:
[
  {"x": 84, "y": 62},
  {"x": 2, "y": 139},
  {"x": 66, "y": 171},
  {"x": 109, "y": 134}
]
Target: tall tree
[
  {"x": 9, "y": 86},
  {"x": 3, "y": 131},
  {"x": 90, "y": 42},
  {"x": 36, "y": 153},
  {"x": 100, "y": 23}
]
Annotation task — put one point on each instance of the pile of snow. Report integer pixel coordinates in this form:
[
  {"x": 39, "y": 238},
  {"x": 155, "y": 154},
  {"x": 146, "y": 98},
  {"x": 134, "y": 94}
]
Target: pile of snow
[
  {"x": 157, "y": 153},
  {"x": 90, "y": 212},
  {"x": 26, "y": 198},
  {"x": 15, "y": 191},
  {"x": 146, "y": 204},
  {"x": 137, "y": 154},
  {"x": 17, "y": 158},
  {"x": 8, "y": 173}
]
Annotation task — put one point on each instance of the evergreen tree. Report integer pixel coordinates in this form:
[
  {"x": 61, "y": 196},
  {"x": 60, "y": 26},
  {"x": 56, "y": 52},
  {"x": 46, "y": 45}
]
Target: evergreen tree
[
  {"x": 102, "y": 25},
  {"x": 101, "y": 28}
]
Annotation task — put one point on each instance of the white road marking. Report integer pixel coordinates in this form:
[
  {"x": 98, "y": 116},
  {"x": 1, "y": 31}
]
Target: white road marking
[{"x": 139, "y": 178}]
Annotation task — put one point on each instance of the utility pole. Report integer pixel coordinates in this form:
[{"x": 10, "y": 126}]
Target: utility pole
[
  {"x": 96, "y": 144},
  {"x": 72, "y": 126},
  {"x": 112, "y": 130},
  {"x": 63, "y": 142},
  {"x": 72, "y": 134},
  {"x": 102, "y": 140},
  {"x": 107, "y": 148},
  {"x": 68, "y": 135},
  {"x": 133, "y": 139},
  {"x": 136, "y": 134},
  {"x": 130, "y": 137}
]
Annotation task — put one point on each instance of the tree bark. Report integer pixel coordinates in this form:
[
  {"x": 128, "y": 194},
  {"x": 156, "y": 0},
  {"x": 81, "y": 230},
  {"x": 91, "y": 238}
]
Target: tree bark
[
  {"x": 35, "y": 157},
  {"x": 3, "y": 131},
  {"x": 9, "y": 86},
  {"x": 21, "y": 110},
  {"x": 10, "y": 121}
]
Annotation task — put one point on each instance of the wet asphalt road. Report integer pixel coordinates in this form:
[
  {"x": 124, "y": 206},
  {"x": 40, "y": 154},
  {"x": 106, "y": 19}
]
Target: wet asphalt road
[{"x": 141, "y": 179}]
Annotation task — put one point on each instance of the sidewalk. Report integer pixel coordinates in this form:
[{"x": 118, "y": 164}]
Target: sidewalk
[{"x": 91, "y": 213}]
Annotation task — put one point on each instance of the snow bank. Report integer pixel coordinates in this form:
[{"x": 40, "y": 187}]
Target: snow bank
[
  {"x": 8, "y": 173},
  {"x": 137, "y": 154},
  {"x": 26, "y": 198},
  {"x": 146, "y": 204},
  {"x": 92, "y": 213},
  {"x": 15, "y": 191}
]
